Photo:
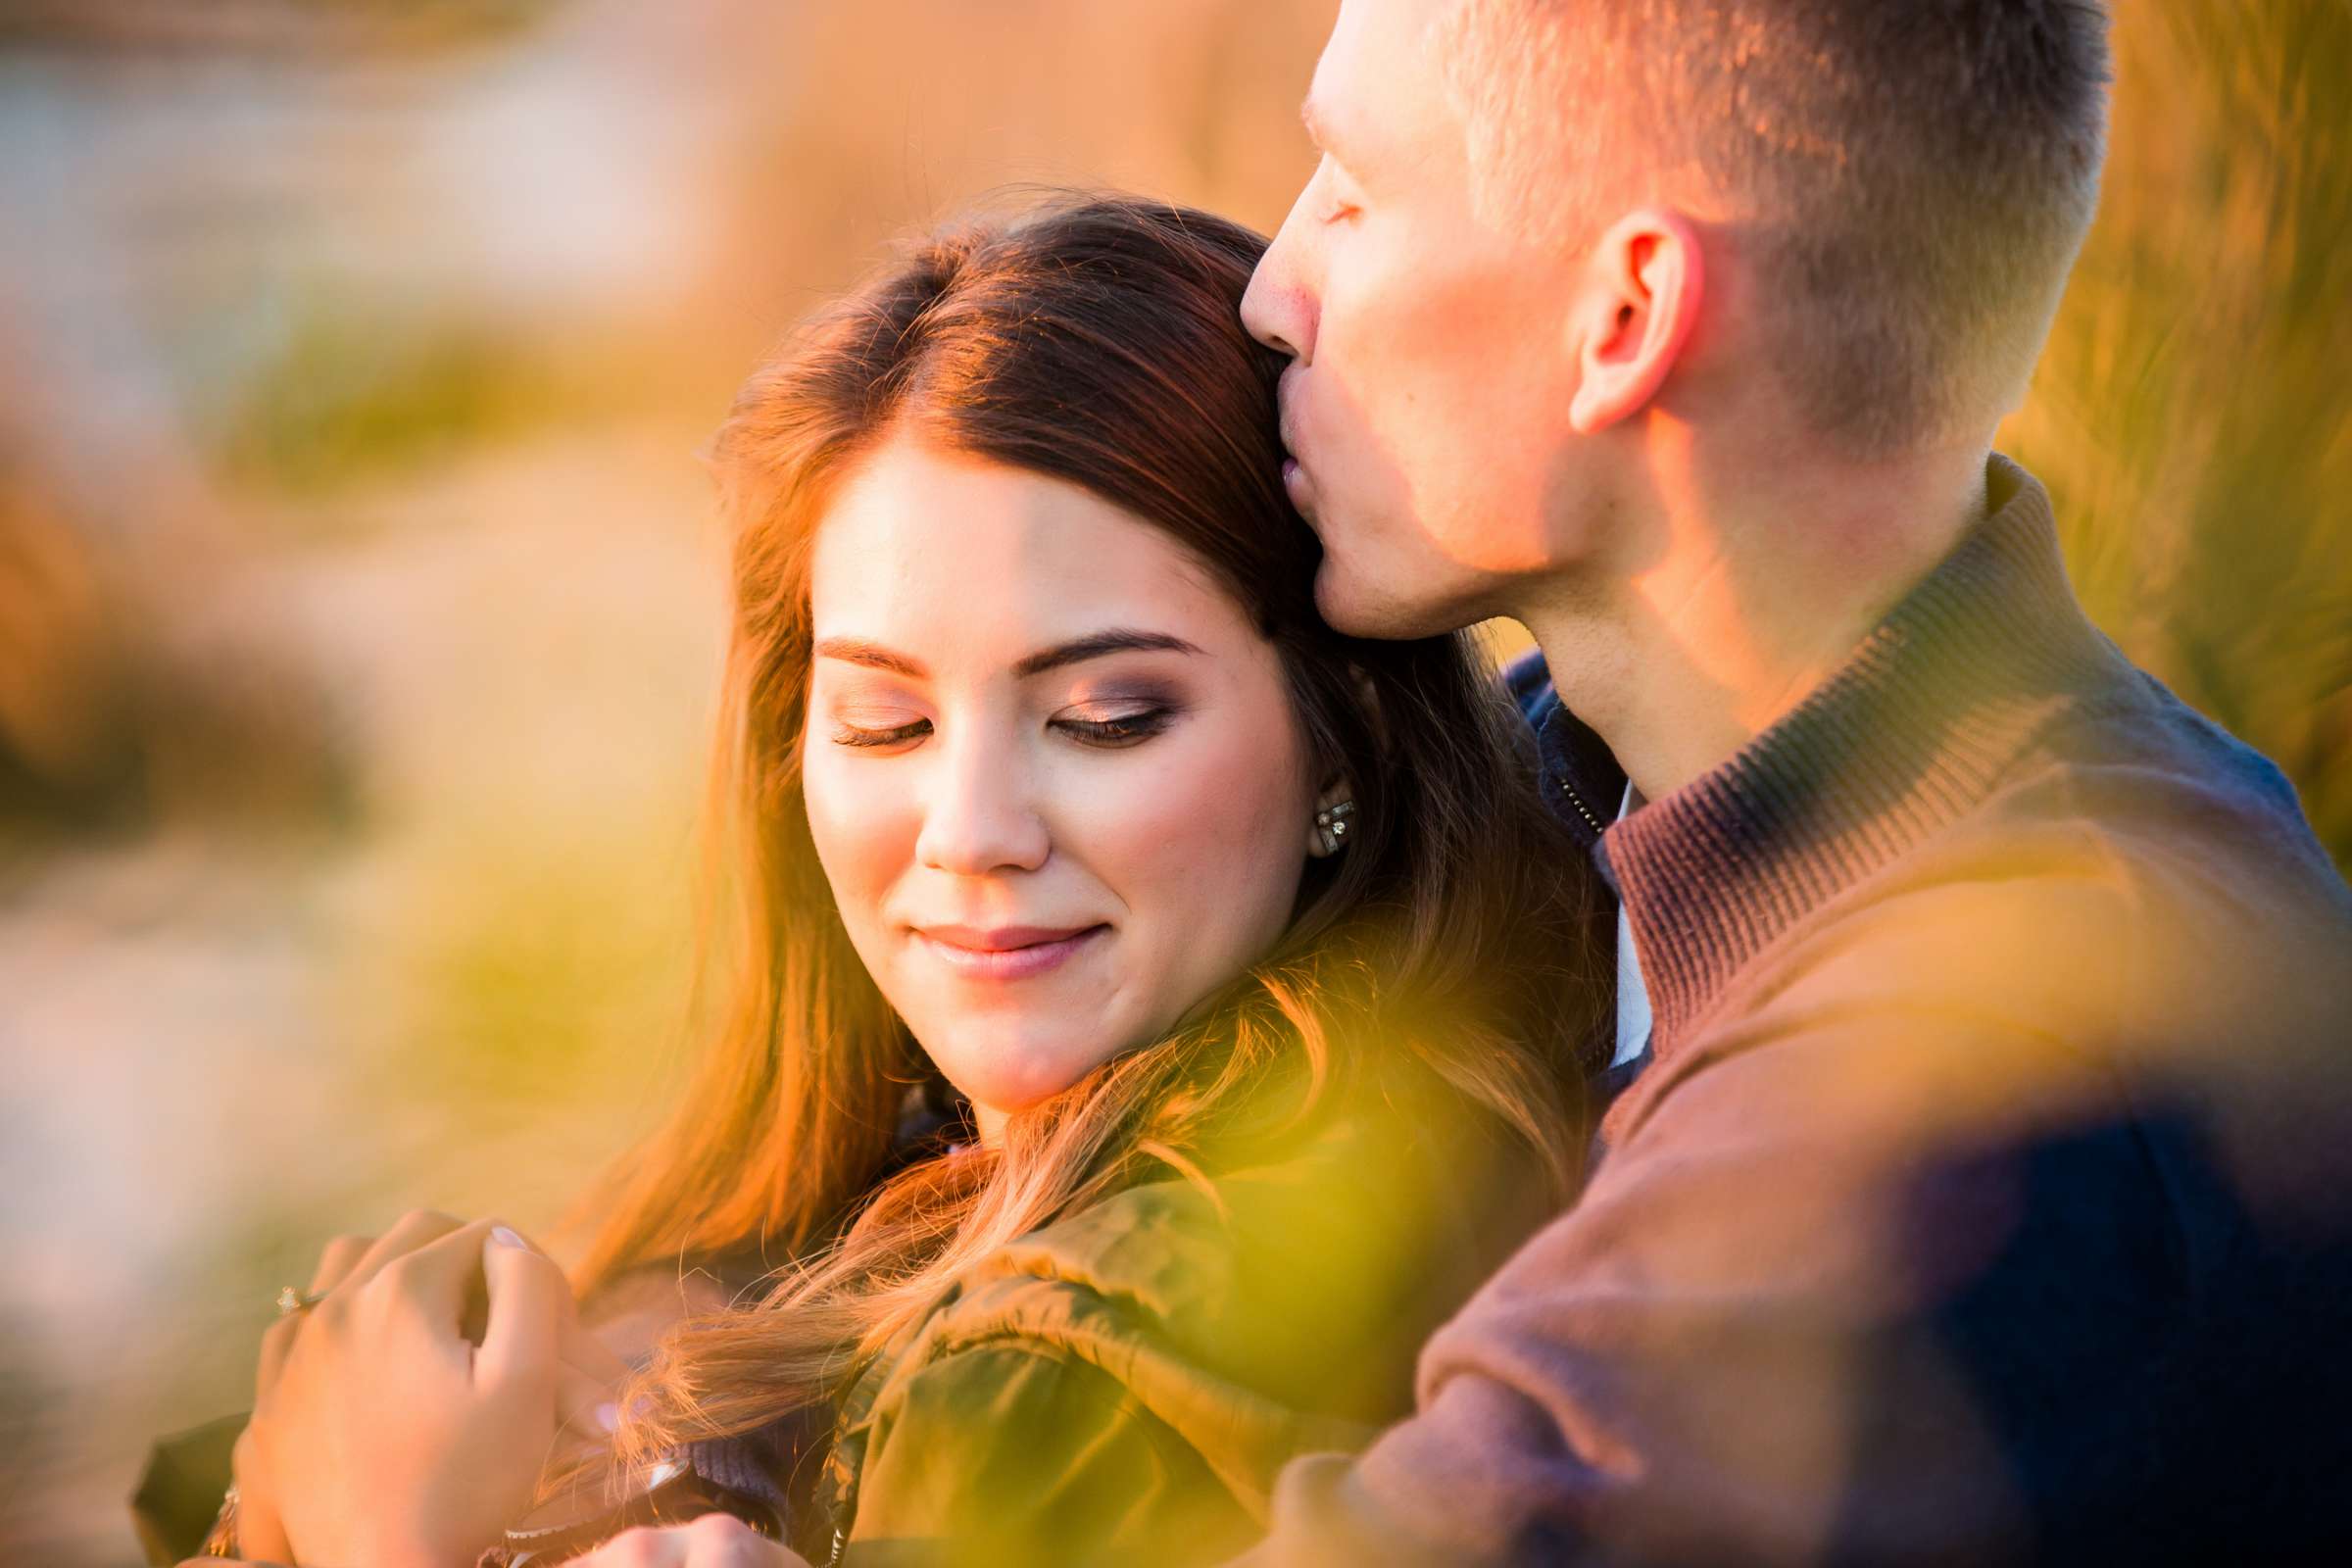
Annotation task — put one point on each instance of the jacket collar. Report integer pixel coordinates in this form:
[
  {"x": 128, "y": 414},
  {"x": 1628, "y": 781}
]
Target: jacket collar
[{"x": 1911, "y": 732}]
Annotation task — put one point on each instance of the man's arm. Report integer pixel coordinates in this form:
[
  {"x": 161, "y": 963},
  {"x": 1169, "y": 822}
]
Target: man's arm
[{"x": 1862, "y": 1287}]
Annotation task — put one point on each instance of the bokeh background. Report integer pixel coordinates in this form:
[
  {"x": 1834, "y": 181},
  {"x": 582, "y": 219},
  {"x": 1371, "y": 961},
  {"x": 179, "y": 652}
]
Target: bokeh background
[{"x": 360, "y": 595}]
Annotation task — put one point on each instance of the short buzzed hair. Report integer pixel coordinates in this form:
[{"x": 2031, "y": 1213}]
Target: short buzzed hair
[{"x": 1912, "y": 178}]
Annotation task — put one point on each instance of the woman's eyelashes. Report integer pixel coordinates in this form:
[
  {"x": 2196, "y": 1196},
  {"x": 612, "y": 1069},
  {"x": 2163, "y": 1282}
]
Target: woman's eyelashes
[
  {"x": 846, "y": 734},
  {"x": 1103, "y": 725},
  {"x": 1115, "y": 728}
]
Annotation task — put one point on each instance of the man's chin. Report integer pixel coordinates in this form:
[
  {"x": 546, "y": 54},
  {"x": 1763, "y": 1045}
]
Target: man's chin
[{"x": 1356, "y": 606}]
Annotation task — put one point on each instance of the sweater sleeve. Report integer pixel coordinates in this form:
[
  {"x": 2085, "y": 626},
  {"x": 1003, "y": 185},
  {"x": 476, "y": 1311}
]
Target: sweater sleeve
[
  {"x": 1016, "y": 1453},
  {"x": 1869, "y": 1293}
]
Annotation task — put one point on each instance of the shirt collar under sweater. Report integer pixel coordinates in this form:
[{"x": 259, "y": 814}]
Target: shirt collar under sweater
[{"x": 1908, "y": 734}]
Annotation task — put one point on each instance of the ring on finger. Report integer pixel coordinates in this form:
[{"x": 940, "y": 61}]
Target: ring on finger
[{"x": 291, "y": 1301}]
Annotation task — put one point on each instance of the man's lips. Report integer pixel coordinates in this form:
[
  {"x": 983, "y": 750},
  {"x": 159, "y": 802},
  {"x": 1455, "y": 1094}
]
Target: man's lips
[
  {"x": 1284, "y": 401},
  {"x": 1296, "y": 484},
  {"x": 1006, "y": 951},
  {"x": 1295, "y": 481}
]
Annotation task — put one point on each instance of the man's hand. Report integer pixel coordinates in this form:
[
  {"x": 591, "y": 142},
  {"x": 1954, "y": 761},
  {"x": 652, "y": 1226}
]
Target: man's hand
[{"x": 715, "y": 1541}]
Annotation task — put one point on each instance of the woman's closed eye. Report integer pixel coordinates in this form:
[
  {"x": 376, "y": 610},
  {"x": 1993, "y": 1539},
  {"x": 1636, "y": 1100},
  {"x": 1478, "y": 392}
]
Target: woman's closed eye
[
  {"x": 846, "y": 733},
  {"x": 1115, "y": 725},
  {"x": 1111, "y": 727}
]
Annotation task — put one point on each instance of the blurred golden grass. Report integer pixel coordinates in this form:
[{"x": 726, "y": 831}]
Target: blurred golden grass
[{"x": 2193, "y": 415}]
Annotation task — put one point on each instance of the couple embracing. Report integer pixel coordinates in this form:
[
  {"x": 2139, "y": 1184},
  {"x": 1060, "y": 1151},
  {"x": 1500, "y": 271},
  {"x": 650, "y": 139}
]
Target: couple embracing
[{"x": 1824, "y": 1062}]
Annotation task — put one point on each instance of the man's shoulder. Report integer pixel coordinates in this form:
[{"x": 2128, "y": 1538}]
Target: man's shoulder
[
  {"x": 2135, "y": 872},
  {"x": 2175, "y": 841},
  {"x": 2104, "y": 902},
  {"x": 2148, "y": 953}
]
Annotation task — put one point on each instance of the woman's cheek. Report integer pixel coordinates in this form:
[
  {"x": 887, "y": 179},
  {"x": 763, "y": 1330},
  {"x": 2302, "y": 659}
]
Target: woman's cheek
[
  {"x": 1204, "y": 846},
  {"x": 864, "y": 834}
]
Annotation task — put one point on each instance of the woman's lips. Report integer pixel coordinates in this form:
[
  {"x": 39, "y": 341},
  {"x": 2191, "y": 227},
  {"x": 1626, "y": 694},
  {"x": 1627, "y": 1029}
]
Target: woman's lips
[{"x": 1008, "y": 952}]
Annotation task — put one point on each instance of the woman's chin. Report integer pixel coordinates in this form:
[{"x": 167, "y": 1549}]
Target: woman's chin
[{"x": 1007, "y": 1074}]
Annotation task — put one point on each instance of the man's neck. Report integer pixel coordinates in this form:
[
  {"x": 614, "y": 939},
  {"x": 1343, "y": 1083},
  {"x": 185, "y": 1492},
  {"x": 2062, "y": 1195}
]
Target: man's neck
[{"x": 1709, "y": 620}]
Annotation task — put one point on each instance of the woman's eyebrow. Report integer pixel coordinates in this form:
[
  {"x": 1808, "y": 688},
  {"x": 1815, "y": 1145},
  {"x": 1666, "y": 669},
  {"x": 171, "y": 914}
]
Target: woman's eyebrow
[
  {"x": 1078, "y": 650},
  {"x": 857, "y": 651},
  {"x": 1118, "y": 641}
]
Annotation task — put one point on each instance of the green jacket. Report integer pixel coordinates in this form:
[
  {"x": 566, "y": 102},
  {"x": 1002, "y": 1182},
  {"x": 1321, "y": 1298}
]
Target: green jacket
[{"x": 1124, "y": 1385}]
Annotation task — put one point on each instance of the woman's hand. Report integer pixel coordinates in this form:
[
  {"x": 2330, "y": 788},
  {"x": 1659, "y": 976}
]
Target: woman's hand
[
  {"x": 346, "y": 1257},
  {"x": 384, "y": 1436},
  {"x": 715, "y": 1541}
]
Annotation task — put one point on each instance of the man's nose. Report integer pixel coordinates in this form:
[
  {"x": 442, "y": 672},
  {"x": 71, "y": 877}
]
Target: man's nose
[
  {"x": 1279, "y": 308},
  {"x": 981, "y": 818}
]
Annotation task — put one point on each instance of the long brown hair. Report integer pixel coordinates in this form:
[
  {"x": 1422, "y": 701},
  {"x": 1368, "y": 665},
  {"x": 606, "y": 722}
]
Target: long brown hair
[{"x": 1096, "y": 340}]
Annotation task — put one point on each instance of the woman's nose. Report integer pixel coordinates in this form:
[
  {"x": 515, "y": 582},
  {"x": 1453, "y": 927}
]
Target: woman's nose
[{"x": 981, "y": 818}]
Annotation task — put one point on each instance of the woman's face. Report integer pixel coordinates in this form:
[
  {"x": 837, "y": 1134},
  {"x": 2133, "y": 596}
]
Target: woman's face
[{"x": 1051, "y": 768}]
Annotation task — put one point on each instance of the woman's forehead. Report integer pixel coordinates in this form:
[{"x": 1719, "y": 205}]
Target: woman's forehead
[{"x": 926, "y": 549}]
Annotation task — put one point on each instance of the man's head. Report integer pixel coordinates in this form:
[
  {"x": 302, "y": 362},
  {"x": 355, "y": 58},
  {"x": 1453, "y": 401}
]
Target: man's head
[{"x": 1550, "y": 238}]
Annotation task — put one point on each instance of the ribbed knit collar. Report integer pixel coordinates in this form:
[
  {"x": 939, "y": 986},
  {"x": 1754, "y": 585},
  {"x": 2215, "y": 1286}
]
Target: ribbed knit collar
[{"x": 1911, "y": 732}]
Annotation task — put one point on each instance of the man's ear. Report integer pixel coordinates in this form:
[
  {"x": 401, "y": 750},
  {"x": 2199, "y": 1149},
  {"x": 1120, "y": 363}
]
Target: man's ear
[{"x": 1641, "y": 296}]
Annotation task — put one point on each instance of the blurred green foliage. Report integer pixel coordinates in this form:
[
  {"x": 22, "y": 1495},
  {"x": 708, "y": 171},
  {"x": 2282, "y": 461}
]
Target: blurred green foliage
[
  {"x": 424, "y": 25},
  {"x": 540, "y": 977},
  {"x": 353, "y": 392}
]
